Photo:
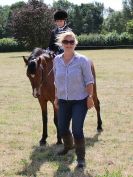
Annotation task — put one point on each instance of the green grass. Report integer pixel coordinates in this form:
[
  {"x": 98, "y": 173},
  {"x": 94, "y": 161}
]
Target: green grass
[
  {"x": 113, "y": 174},
  {"x": 108, "y": 154}
]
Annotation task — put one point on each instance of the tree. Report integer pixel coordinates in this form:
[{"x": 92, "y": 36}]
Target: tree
[
  {"x": 128, "y": 9},
  {"x": 86, "y": 18},
  {"x": 91, "y": 18},
  {"x": 4, "y": 12},
  {"x": 14, "y": 7},
  {"x": 63, "y": 4},
  {"x": 127, "y": 15},
  {"x": 130, "y": 27},
  {"x": 32, "y": 24},
  {"x": 114, "y": 22}
]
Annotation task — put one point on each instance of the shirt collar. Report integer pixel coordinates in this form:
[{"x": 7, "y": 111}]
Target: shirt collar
[
  {"x": 73, "y": 58},
  {"x": 75, "y": 55}
]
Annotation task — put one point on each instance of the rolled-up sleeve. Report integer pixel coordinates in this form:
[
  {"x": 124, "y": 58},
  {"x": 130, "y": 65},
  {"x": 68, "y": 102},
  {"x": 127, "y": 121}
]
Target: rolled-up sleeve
[{"x": 87, "y": 72}]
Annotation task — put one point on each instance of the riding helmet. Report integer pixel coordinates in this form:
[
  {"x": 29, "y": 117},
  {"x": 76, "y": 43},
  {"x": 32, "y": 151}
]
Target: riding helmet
[{"x": 60, "y": 15}]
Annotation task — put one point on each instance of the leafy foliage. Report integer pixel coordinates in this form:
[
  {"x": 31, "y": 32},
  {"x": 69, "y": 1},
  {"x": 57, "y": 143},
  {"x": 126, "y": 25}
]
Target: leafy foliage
[
  {"x": 63, "y": 4},
  {"x": 9, "y": 44},
  {"x": 128, "y": 9},
  {"x": 109, "y": 39},
  {"x": 130, "y": 27},
  {"x": 114, "y": 22},
  {"x": 91, "y": 40},
  {"x": 32, "y": 24},
  {"x": 13, "y": 7},
  {"x": 91, "y": 15},
  {"x": 4, "y": 13}
]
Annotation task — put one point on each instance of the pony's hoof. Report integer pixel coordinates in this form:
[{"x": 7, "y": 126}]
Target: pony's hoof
[
  {"x": 99, "y": 130},
  {"x": 59, "y": 142},
  {"x": 42, "y": 143}
]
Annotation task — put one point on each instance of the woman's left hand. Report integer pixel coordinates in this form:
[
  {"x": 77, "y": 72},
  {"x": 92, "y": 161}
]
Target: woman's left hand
[{"x": 90, "y": 102}]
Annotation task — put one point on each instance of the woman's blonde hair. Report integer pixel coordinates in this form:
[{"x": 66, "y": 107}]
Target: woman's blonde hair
[{"x": 62, "y": 36}]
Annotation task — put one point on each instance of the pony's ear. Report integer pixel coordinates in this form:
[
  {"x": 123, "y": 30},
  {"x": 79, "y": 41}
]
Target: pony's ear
[{"x": 25, "y": 60}]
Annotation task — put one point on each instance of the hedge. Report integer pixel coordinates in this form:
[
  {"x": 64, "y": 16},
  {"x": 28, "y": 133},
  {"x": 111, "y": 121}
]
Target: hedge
[
  {"x": 10, "y": 45},
  {"x": 110, "y": 40}
]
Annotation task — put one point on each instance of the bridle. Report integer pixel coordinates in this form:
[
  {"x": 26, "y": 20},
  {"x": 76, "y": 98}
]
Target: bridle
[
  {"x": 43, "y": 70},
  {"x": 42, "y": 75}
]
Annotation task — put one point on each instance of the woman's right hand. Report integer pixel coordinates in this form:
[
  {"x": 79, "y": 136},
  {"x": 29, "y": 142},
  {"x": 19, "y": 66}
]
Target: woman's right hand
[
  {"x": 56, "y": 103},
  {"x": 90, "y": 102}
]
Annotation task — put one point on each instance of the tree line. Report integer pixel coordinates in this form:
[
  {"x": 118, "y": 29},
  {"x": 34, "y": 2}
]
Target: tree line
[{"x": 31, "y": 23}]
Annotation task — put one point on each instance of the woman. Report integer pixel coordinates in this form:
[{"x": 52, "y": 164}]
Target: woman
[
  {"x": 60, "y": 18},
  {"x": 73, "y": 95}
]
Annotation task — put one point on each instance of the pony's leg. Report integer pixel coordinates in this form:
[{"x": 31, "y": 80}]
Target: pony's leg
[
  {"x": 97, "y": 107},
  {"x": 45, "y": 121},
  {"x": 59, "y": 141}
]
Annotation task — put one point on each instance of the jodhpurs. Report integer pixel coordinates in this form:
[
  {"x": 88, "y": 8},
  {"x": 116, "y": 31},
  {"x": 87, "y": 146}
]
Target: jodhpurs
[{"x": 74, "y": 110}]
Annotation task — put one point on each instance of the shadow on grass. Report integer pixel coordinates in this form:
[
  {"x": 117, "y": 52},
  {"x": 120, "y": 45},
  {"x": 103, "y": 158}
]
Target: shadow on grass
[
  {"x": 48, "y": 154},
  {"x": 75, "y": 173},
  {"x": 91, "y": 141},
  {"x": 78, "y": 172}
]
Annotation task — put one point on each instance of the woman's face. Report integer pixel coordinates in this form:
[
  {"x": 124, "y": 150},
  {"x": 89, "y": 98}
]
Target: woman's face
[{"x": 69, "y": 43}]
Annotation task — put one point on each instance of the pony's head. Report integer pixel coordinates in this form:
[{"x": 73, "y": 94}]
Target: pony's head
[
  {"x": 39, "y": 67},
  {"x": 35, "y": 75}
]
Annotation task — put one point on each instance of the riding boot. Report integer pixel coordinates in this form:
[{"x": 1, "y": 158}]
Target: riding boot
[
  {"x": 80, "y": 152},
  {"x": 68, "y": 144}
]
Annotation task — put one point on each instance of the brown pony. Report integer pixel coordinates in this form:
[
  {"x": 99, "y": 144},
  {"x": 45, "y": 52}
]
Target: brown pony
[{"x": 40, "y": 73}]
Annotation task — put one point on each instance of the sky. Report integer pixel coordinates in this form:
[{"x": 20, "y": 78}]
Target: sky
[{"x": 114, "y": 4}]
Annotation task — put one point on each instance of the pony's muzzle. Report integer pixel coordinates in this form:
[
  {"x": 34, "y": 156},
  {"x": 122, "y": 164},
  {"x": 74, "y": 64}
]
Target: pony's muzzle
[{"x": 36, "y": 93}]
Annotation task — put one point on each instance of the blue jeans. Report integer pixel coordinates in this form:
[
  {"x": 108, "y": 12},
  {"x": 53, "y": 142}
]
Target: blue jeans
[{"x": 75, "y": 110}]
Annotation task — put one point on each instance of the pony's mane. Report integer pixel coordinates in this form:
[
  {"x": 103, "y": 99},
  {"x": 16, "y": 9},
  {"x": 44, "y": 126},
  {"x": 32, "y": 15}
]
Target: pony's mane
[
  {"x": 46, "y": 55},
  {"x": 36, "y": 53},
  {"x": 39, "y": 52}
]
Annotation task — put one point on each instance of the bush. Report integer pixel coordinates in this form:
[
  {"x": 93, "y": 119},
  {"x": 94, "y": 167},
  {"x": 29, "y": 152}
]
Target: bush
[
  {"x": 10, "y": 45},
  {"x": 126, "y": 38},
  {"x": 110, "y": 39},
  {"x": 32, "y": 24},
  {"x": 91, "y": 40},
  {"x": 129, "y": 27}
]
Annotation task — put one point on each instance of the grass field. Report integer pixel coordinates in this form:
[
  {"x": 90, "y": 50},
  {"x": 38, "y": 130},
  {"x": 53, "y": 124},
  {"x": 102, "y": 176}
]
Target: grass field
[{"x": 109, "y": 154}]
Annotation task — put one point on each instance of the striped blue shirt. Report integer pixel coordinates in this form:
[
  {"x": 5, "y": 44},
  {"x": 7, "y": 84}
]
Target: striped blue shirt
[{"x": 72, "y": 78}]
